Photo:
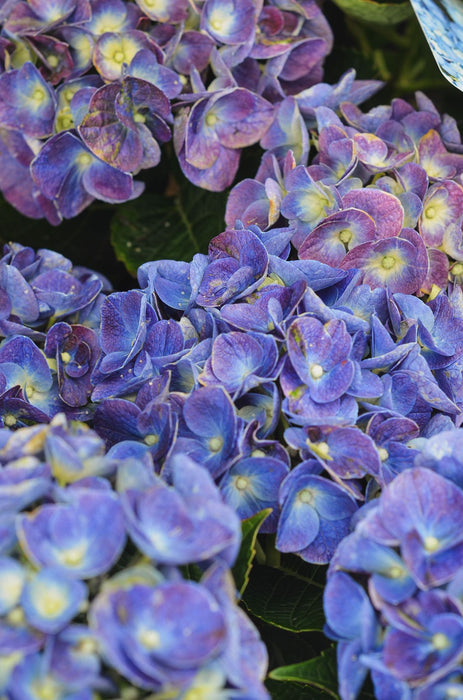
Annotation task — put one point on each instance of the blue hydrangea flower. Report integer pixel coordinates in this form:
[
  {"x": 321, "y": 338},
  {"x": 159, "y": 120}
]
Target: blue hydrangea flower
[
  {"x": 68, "y": 173},
  {"x": 315, "y": 515},
  {"x": 241, "y": 361},
  {"x": 251, "y": 485},
  {"x": 179, "y": 523},
  {"x": 27, "y": 102},
  {"x": 169, "y": 631},
  {"x": 209, "y": 430},
  {"x": 319, "y": 353},
  {"x": 82, "y": 537},
  {"x": 51, "y": 599}
]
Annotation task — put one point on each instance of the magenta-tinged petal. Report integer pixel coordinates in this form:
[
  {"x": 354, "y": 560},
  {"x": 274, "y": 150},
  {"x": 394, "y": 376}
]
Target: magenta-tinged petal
[
  {"x": 301, "y": 59},
  {"x": 146, "y": 66},
  {"x": 384, "y": 208},
  {"x": 56, "y": 59},
  {"x": 438, "y": 270},
  {"x": 192, "y": 51},
  {"x": 217, "y": 177},
  {"x": 393, "y": 262},
  {"x": 165, "y": 10},
  {"x": 337, "y": 234},
  {"x": 413, "y": 178},
  {"x": 371, "y": 150},
  {"x": 67, "y": 172},
  {"x": 442, "y": 206},
  {"x": 435, "y": 159},
  {"x": 202, "y": 146},
  {"x": 26, "y": 102},
  {"x": 103, "y": 132},
  {"x": 248, "y": 202},
  {"x": 34, "y": 16},
  {"x": 231, "y": 119},
  {"x": 50, "y": 167},
  {"x": 114, "y": 49},
  {"x": 229, "y": 21},
  {"x": 116, "y": 126},
  {"x": 241, "y": 118},
  {"x": 16, "y": 183}
]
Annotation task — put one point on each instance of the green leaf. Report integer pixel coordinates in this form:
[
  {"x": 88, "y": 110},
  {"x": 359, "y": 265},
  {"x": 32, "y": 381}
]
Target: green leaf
[
  {"x": 83, "y": 239},
  {"x": 155, "y": 226},
  {"x": 285, "y": 600},
  {"x": 243, "y": 565},
  {"x": 319, "y": 673},
  {"x": 290, "y": 691},
  {"x": 191, "y": 572},
  {"x": 376, "y": 11}
]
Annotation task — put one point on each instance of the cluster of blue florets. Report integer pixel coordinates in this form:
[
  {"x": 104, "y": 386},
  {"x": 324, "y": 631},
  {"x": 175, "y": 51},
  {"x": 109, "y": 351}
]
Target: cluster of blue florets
[
  {"x": 91, "y": 89},
  {"x": 311, "y": 363},
  {"x": 140, "y": 427}
]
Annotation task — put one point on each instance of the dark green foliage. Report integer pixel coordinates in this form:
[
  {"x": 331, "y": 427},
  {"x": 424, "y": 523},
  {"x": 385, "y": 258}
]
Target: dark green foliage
[{"x": 156, "y": 226}]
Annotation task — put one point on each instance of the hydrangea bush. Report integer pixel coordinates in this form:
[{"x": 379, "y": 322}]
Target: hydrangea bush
[
  {"x": 92, "y": 88},
  {"x": 264, "y": 439}
]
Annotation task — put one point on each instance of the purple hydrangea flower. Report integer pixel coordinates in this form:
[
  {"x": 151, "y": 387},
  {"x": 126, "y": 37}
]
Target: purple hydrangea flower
[
  {"x": 82, "y": 537},
  {"x": 241, "y": 361},
  {"x": 315, "y": 515},
  {"x": 209, "y": 429},
  {"x": 169, "y": 631},
  {"x": 182, "y": 523},
  {"x": 124, "y": 123},
  {"x": 27, "y": 102},
  {"x": 319, "y": 353},
  {"x": 67, "y": 173},
  {"x": 251, "y": 485},
  {"x": 208, "y": 138}
]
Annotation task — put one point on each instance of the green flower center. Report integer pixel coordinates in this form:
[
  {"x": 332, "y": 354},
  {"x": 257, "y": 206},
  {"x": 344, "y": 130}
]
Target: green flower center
[
  {"x": 64, "y": 122},
  {"x": 345, "y": 236},
  {"x": 84, "y": 159},
  {"x": 440, "y": 641},
  {"x": 388, "y": 262},
  {"x": 151, "y": 439},
  {"x": 38, "y": 95},
  {"x": 215, "y": 444},
  {"x": 119, "y": 56},
  {"x": 306, "y": 496},
  {"x": 431, "y": 543}
]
